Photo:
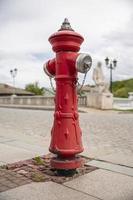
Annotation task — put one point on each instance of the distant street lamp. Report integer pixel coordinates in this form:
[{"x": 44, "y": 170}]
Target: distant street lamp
[
  {"x": 111, "y": 65},
  {"x": 13, "y": 73}
]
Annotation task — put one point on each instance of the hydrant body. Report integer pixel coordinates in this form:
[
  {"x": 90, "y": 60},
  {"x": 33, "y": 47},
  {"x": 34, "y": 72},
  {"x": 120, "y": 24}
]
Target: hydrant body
[{"x": 66, "y": 134}]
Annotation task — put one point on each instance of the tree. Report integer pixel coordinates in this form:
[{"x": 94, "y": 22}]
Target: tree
[
  {"x": 122, "y": 88},
  {"x": 122, "y": 92},
  {"x": 34, "y": 88}
]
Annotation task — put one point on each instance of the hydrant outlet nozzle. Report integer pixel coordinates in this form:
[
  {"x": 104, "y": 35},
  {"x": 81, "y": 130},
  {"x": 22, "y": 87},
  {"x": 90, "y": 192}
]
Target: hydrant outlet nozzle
[
  {"x": 46, "y": 71},
  {"x": 83, "y": 62}
]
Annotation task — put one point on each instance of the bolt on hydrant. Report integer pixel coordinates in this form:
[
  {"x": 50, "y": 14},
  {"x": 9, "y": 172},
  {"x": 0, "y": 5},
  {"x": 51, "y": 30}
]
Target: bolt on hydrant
[{"x": 66, "y": 134}]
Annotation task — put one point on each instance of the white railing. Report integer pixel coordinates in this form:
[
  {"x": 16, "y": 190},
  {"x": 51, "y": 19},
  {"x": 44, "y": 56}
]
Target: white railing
[
  {"x": 123, "y": 103},
  {"x": 34, "y": 100}
]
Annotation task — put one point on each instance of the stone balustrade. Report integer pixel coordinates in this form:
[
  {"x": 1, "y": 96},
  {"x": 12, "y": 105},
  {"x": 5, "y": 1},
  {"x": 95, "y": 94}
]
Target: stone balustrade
[
  {"x": 35, "y": 100},
  {"x": 130, "y": 95},
  {"x": 123, "y": 103},
  {"x": 84, "y": 101}
]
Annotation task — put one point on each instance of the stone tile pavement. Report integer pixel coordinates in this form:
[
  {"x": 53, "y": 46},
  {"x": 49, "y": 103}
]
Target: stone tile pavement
[
  {"x": 107, "y": 136},
  {"x": 100, "y": 184},
  {"x": 112, "y": 167},
  {"x": 119, "y": 157},
  {"x": 41, "y": 191},
  {"x": 10, "y": 179},
  {"x": 104, "y": 184}
]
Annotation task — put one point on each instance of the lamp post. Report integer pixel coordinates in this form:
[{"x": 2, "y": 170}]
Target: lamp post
[
  {"x": 13, "y": 73},
  {"x": 111, "y": 65}
]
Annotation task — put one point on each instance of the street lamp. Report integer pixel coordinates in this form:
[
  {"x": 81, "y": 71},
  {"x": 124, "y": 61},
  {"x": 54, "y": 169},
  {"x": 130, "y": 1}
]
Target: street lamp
[
  {"x": 111, "y": 65},
  {"x": 13, "y": 73}
]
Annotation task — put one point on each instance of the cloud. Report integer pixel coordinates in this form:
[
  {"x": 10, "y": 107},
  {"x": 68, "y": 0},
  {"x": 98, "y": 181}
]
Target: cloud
[
  {"x": 26, "y": 25},
  {"x": 119, "y": 44}
]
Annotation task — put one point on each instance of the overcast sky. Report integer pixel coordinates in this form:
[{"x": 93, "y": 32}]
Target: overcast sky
[{"x": 25, "y": 26}]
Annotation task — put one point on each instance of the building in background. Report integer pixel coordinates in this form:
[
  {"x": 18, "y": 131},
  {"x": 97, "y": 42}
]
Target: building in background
[{"x": 7, "y": 90}]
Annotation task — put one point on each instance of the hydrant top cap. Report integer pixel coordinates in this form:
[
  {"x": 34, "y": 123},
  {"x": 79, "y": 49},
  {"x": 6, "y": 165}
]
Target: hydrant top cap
[
  {"x": 66, "y": 26},
  {"x": 65, "y": 30},
  {"x": 66, "y": 39}
]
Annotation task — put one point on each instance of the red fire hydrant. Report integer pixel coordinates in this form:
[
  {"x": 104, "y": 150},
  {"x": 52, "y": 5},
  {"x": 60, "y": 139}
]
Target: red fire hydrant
[{"x": 66, "y": 134}]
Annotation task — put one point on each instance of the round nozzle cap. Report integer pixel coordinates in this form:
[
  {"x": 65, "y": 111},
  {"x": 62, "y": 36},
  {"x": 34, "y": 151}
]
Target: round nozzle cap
[{"x": 83, "y": 63}]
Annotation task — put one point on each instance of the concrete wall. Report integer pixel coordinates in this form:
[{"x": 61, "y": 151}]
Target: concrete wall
[
  {"x": 123, "y": 103},
  {"x": 103, "y": 101},
  {"x": 35, "y": 100}
]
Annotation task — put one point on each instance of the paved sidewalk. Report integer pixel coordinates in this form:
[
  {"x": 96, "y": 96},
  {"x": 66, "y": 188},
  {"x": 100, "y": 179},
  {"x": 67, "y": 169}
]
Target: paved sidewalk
[
  {"x": 26, "y": 134},
  {"x": 99, "y": 184},
  {"x": 15, "y": 147}
]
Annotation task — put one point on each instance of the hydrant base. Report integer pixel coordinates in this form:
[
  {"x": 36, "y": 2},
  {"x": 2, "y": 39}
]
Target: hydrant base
[{"x": 58, "y": 163}]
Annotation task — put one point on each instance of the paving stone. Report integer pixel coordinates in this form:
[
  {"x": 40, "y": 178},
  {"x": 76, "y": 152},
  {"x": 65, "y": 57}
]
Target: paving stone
[
  {"x": 3, "y": 188},
  {"x": 112, "y": 167},
  {"x": 47, "y": 190},
  {"x": 26, "y": 146},
  {"x": 9, "y": 179},
  {"x": 119, "y": 158},
  {"x": 10, "y": 154},
  {"x": 5, "y": 139},
  {"x": 104, "y": 184},
  {"x": 11, "y": 185}
]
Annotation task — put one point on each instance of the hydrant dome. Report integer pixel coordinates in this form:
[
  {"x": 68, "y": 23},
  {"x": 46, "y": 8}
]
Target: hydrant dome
[{"x": 66, "y": 40}]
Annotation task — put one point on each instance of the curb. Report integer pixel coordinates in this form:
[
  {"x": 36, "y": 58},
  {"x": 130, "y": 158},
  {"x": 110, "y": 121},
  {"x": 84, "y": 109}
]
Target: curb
[{"x": 47, "y": 108}]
